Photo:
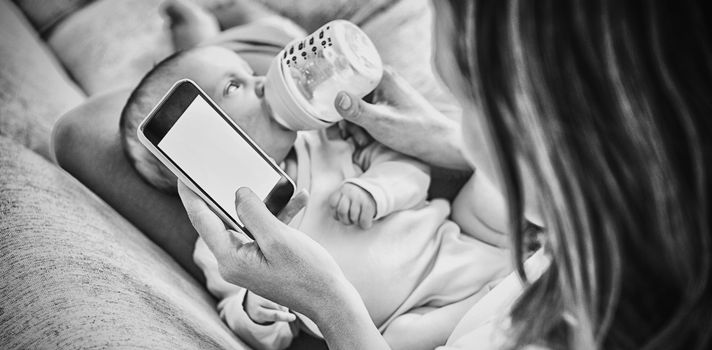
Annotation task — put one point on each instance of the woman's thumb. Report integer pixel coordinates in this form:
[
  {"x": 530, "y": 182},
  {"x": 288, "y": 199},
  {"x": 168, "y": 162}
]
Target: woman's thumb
[
  {"x": 353, "y": 109},
  {"x": 254, "y": 215}
]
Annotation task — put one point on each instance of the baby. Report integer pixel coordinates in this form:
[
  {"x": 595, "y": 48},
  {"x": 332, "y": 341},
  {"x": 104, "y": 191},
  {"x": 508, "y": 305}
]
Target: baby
[{"x": 367, "y": 205}]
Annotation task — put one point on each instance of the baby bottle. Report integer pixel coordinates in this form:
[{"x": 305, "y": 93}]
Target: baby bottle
[{"x": 303, "y": 80}]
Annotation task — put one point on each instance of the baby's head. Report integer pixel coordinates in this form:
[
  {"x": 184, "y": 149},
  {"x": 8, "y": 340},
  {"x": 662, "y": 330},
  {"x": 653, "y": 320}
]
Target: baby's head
[{"x": 228, "y": 80}]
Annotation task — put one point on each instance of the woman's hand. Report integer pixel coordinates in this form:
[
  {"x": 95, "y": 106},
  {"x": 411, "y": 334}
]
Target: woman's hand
[
  {"x": 405, "y": 121},
  {"x": 279, "y": 256},
  {"x": 286, "y": 266}
]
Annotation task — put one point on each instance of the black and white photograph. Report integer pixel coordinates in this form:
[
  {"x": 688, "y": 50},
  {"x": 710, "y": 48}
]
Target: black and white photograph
[{"x": 356, "y": 174}]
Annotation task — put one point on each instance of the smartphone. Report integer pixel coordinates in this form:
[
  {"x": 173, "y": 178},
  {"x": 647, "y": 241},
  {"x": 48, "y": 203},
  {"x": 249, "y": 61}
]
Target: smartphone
[{"x": 212, "y": 155}]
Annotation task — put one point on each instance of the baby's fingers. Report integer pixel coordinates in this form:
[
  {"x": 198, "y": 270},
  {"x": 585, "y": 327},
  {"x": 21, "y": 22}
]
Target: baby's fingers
[
  {"x": 271, "y": 315},
  {"x": 269, "y": 304},
  {"x": 334, "y": 200},
  {"x": 354, "y": 212},
  {"x": 342, "y": 211},
  {"x": 365, "y": 220}
]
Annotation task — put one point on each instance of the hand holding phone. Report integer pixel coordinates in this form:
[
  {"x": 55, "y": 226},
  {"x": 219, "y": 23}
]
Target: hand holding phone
[{"x": 211, "y": 154}]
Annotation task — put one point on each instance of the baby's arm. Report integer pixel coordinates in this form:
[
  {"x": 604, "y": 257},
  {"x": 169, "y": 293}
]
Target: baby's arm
[
  {"x": 391, "y": 181},
  {"x": 427, "y": 327},
  {"x": 481, "y": 211},
  {"x": 272, "y": 332},
  {"x": 190, "y": 24}
]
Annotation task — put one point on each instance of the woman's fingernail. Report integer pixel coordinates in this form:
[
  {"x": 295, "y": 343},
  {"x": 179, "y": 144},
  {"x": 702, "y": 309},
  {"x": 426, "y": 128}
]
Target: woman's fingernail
[
  {"x": 241, "y": 193},
  {"x": 344, "y": 101}
]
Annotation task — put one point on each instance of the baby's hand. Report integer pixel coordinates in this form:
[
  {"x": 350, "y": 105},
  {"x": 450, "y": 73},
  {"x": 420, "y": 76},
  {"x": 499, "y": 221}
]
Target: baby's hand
[
  {"x": 190, "y": 23},
  {"x": 263, "y": 311},
  {"x": 353, "y": 205}
]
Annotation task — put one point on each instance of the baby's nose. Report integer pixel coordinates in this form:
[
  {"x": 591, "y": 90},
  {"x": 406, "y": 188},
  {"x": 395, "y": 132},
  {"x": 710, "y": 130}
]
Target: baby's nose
[{"x": 260, "y": 88}]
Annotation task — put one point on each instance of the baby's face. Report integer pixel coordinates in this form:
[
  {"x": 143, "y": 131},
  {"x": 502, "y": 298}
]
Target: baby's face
[{"x": 231, "y": 83}]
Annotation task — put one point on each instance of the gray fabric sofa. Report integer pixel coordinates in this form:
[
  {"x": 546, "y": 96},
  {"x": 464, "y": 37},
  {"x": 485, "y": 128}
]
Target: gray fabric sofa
[{"x": 74, "y": 273}]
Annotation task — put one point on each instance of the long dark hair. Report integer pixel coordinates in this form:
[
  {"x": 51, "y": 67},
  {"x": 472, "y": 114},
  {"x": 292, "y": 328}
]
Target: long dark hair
[{"x": 608, "y": 104}]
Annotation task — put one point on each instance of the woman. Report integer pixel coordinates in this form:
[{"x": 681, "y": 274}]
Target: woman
[{"x": 593, "y": 113}]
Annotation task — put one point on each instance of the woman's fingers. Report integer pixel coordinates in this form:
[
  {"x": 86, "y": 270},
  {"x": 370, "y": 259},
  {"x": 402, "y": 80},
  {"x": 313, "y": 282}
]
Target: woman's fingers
[
  {"x": 358, "y": 111},
  {"x": 208, "y": 225},
  {"x": 360, "y": 136},
  {"x": 395, "y": 90},
  {"x": 296, "y": 204},
  {"x": 395, "y": 102},
  {"x": 279, "y": 257}
]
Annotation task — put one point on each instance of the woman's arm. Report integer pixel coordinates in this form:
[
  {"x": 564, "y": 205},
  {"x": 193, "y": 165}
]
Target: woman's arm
[
  {"x": 287, "y": 267},
  {"x": 405, "y": 121},
  {"x": 350, "y": 327}
]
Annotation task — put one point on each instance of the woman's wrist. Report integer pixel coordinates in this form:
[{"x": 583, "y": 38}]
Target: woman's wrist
[
  {"x": 346, "y": 323},
  {"x": 340, "y": 296}
]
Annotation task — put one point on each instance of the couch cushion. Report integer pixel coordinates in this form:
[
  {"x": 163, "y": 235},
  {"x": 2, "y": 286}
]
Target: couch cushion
[
  {"x": 35, "y": 90},
  {"x": 73, "y": 273},
  {"x": 109, "y": 44}
]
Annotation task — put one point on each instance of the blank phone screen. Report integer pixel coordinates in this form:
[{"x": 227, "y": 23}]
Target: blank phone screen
[{"x": 212, "y": 153}]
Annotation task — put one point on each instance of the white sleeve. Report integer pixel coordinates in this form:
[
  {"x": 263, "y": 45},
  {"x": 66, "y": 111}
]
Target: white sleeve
[
  {"x": 275, "y": 336},
  {"x": 394, "y": 180}
]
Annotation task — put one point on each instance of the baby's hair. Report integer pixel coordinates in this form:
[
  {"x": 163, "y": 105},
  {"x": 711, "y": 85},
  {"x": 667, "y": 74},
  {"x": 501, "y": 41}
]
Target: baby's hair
[{"x": 142, "y": 99}]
